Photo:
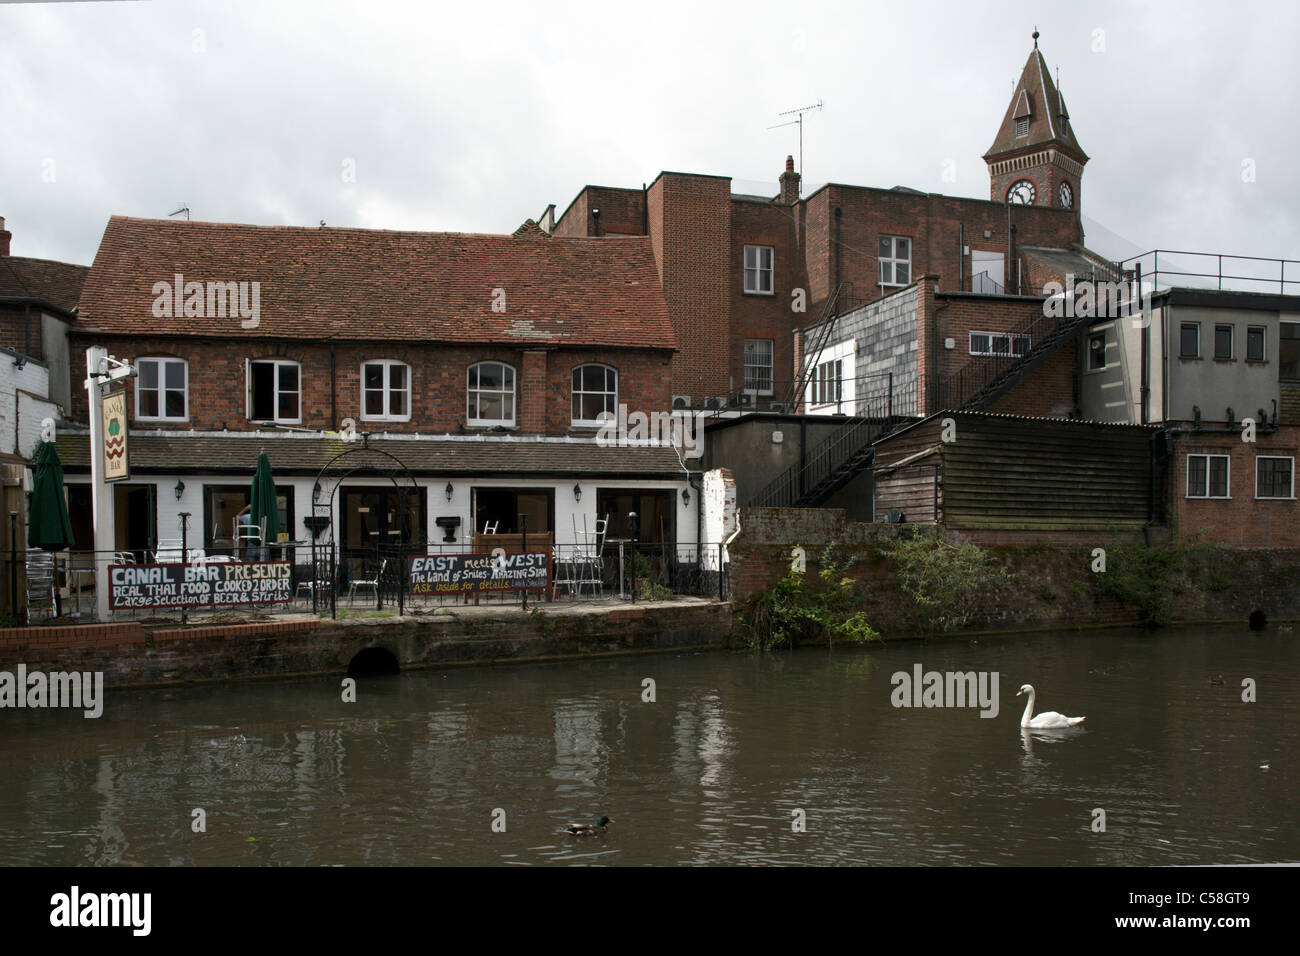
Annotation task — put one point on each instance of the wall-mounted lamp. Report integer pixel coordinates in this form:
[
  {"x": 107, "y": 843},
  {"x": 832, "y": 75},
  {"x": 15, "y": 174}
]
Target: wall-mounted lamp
[
  {"x": 448, "y": 490},
  {"x": 686, "y": 497},
  {"x": 577, "y": 492},
  {"x": 180, "y": 489}
]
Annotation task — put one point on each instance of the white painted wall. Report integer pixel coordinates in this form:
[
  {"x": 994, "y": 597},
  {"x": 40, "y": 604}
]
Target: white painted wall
[{"x": 20, "y": 415}]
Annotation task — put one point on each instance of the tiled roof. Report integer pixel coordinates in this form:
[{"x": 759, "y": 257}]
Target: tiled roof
[
  {"x": 1048, "y": 118},
  {"x": 364, "y": 284},
  {"x": 237, "y": 454},
  {"x": 58, "y": 283}
]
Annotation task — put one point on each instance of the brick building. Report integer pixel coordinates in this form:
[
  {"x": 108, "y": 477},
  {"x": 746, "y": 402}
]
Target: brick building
[
  {"x": 742, "y": 273},
  {"x": 475, "y": 369}
]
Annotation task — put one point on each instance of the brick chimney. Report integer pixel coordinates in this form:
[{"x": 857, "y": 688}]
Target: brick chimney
[
  {"x": 789, "y": 183},
  {"x": 5, "y": 236}
]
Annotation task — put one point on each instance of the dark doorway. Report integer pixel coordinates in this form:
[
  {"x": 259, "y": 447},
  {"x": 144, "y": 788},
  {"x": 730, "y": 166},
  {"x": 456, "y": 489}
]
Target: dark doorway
[
  {"x": 81, "y": 514},
  {"x": 135, "y": 512},
  {"x": 503, "y": 506},
  {"x": 384, "y": 517}
]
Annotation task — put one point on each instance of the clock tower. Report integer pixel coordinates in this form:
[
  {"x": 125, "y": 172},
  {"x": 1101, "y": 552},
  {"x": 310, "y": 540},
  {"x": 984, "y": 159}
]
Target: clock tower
[{"x": 1036, "y": 159}]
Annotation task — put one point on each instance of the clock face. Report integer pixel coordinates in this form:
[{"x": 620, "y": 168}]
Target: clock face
[
  {"x": 1066, "y": 195},
  {"x": 1023, "y": 193}
]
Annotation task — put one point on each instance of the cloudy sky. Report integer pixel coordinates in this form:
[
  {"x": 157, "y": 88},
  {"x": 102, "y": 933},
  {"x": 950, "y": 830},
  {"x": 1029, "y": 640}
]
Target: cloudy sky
[{"x": 473, "y": 116}]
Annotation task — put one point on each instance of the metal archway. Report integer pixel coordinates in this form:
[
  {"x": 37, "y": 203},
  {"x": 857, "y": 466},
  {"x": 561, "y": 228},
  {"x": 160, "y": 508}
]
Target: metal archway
[{"x": 383, "y": 465}]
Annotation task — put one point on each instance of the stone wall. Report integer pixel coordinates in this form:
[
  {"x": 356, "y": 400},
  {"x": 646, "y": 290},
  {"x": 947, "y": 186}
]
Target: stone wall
[
  {"x": 1052, "y": 585},
  {"x": 133, "y": 654}
]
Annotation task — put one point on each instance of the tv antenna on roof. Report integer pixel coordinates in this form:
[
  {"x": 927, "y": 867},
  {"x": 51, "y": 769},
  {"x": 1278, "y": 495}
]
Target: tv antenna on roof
[
  {"x": 798, "y": 121},
  {"x": 183, "y": 209}
]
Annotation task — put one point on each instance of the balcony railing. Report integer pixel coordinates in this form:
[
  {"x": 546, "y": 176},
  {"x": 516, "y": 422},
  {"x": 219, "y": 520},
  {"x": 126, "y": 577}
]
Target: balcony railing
[{"x": 1165, "y": 268}]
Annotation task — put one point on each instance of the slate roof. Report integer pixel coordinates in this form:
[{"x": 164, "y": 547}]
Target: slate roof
[
  {"x": 365, "y": 284},
  {"x": 236, "y": 454},
  {"x": 1074, "y": 261},
  {"x": 1048, "y": 117},
  {"x": 58, "y": 283}
]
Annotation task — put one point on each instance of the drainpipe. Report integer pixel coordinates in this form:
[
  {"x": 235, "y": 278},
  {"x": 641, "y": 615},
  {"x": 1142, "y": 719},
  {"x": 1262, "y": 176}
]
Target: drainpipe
[
  {"x": 1146, "y": 351},
  {"x": 334, "y": 416},
  {"x": 961, "y": 257},
  {"x": 645, "y": 210},
  {"x": 835, "y": 288},
  {"x": 933, "y": 378}
]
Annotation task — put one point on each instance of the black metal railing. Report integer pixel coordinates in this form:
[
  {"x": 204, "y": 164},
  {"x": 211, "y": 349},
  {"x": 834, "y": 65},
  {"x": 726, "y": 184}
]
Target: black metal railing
[
  {"x": 1215, "y": 270},
  {"x": 842, "y": 300},
  {"x": 985, "y": 377},
  {"x": 845, "y": 453}
]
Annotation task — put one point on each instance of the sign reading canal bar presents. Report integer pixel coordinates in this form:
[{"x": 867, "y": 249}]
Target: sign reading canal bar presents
[
  {"x": 479, "y": 573},
  {"x": 206, "y": 584},
  {"x": 113, "y": 414}
]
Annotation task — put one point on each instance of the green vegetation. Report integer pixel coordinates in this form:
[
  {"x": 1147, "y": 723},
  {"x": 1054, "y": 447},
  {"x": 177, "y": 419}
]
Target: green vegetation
[
  {"x": 1149, "y": 578},
  {"x": 944, "y": 578},
  {"x": 805, "y": 607}
]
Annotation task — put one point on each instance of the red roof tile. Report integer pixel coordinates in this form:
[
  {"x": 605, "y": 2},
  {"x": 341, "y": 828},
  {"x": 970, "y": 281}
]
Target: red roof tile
[
  {"x": 58, "y": 283},
  {"x": 365, "y": 284}
]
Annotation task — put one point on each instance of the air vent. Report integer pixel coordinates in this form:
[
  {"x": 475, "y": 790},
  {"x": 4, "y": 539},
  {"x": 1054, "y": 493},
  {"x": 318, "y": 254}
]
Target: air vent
[{"x": 681, "y": 401}]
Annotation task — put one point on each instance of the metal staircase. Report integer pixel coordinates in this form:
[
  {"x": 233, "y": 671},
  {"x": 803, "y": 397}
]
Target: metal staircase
[{"x": 986, "y": 378}]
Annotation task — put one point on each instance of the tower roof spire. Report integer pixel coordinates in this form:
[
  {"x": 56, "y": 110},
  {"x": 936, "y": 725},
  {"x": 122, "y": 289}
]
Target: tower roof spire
[{"x": 1036, "y": 116}]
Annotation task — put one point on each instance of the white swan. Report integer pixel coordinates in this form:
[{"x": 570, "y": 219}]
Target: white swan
[{"x": 1047, "y": 720}]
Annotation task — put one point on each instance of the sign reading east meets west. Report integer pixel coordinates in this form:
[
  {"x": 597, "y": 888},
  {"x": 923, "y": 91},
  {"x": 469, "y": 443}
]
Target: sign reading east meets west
[
  {"x": 478, "y": 573},
  {"x": 216, "y": 584}
]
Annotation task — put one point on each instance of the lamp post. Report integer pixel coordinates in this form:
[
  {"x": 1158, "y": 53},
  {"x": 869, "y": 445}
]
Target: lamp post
[
  {"x": 185, "y": 552},
  {"x": 13, "y": 565}
]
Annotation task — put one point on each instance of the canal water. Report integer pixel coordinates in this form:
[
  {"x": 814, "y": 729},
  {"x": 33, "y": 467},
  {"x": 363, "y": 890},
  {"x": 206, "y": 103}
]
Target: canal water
[{"x": 734, "y": 751}]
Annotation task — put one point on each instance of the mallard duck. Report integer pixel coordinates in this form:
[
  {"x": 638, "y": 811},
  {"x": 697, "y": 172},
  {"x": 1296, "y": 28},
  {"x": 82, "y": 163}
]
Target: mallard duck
[{"x": 587, "y": 829}]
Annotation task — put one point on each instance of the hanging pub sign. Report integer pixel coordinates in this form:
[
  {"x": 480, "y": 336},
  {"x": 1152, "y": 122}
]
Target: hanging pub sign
[
  {"x": 479, "y": 573},
  {"x": 113, "y": 415}
]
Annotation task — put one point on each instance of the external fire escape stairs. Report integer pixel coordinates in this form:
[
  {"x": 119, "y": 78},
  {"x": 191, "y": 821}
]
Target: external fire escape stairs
[{"x": 974, "y": 387}]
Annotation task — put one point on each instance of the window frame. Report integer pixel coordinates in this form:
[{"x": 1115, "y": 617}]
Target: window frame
[
  {"x": 1263, "y": 342},
  {"x": 893, "y": 259},
  {"x": 1105, "y": 342},
  {"x": 770, "y": 367},
  {"x": 574, "y": 392},
  {"x": 759, "y": 270},
  {"x": 162, "y": 389},
  {"x": 1287, "y": 497},
  {"x": 1009, "y": 336},
  {"x": 472, "y": 422},
  {"x": 1294, "y": 327},
  {"x": 828, "y": 389},
  {"x": 386, "y": 390},
  {"x": 1227, "y": 477},
  {"x": 1182, "y": 328},
  {"x": 276, "y": 390},
  {"x": 1231, "y": 329}
]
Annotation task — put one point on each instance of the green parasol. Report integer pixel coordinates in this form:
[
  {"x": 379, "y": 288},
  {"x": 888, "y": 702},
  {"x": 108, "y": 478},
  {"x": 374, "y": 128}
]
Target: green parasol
[
  {"x": 48, "y": 527},
  {"x": 263, "y": 504}
]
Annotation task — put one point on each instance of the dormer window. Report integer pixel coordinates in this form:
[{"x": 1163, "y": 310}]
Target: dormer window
[{"x": 1022, "y": 127}]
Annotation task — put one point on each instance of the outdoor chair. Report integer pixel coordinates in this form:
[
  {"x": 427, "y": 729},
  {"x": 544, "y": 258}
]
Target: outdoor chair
[
  {"x": 318, "y": 584},
  {"x": 373, "y": 584},
  {"x": 168, "y": 551}
]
